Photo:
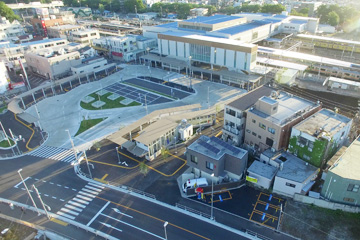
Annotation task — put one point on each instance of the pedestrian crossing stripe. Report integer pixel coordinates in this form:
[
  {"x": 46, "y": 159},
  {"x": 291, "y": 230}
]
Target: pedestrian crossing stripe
[
  {"x": 78, "y": 203},
  {"x": 54, "y": 153}
]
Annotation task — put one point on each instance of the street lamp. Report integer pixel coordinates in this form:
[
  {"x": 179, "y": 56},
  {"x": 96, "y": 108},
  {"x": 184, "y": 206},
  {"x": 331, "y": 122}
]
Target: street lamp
[
  {"x": 72, "y": 144},
  {"x": 190, "y": 57},
  {"x": 212, "y": 196},
  {"x": 87, "y": 163},
  {"x": 165, "y": 224},
  {"x": 32, "y": 200},
  {"x": 117, "y": 152},
  {"x": 42, "y": 203}
]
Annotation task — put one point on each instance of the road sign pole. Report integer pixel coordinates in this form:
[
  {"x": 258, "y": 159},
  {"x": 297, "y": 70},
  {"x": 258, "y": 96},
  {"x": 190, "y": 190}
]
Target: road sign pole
[{"x": 32, "y": 200}]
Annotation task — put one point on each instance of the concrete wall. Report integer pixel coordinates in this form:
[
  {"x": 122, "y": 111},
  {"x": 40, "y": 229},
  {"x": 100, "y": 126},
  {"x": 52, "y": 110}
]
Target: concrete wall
[
  {"x": 326, "y": 204},
  {"x": 262, "y": 182},
  {"x": 281, "y": 188}
]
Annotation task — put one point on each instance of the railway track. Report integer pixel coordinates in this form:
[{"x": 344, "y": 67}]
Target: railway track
[{"x": 344, "y": 109}]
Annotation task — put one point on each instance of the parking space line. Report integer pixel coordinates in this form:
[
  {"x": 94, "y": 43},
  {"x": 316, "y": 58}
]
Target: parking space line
[
  {"x": 270, "y": 205},
  {"x": 223, "y": 199},
  {"x": 280, "y": 199}
]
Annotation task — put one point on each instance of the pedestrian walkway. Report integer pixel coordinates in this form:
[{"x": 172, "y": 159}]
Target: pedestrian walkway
[
  {"x": 76, "y": 205},
  {"x": 54, "y": 153}
]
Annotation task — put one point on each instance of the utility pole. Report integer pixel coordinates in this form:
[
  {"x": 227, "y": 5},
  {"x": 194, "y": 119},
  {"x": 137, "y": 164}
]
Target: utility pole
[
  {"x": 7, "y": 138},
  {"x": 27, "y": 190},
  {"x": 72, "y": 144},
  {"x": 42, "y": 203}
]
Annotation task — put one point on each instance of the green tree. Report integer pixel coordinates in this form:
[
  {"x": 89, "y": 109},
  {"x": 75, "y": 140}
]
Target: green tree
[
  {"x": 333, "y": 18},
  {"x": 101, "y": 8},
  {"x": 144, "y": 169},
  {"x": 272, "y": 8},
  {"x": 7, "y": 12},
  {"x": 250, "y": 8},
  {"x": 129, "y": 6},
  {"x": 164, "y": 153},
  {"x": 97, "y": 146}
]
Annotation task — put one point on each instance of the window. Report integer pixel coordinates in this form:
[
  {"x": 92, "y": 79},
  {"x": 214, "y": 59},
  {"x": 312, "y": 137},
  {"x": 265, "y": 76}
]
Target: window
[
  {"x": 306, "y": 157},
  {"x": 193, "y": 159},
  {"x": 269, "y": 142},
  {"x": 253, "y": 120},
  {"x": 259, "y": 136},
  {"x": 248, "y": 131},
  {"x": 353, "y": 188},
  {"x": 274, "y": 108},
  {"x": 93, "y": 34},
  {"x": 254, "y": 133},
  {"x": 262, "y": 126},
  {"x": 290, "y": 185},
  {"x": 348, "y": 199},
  {"x": 271, "y": 130},
  {"x": 209, "y": 165}
]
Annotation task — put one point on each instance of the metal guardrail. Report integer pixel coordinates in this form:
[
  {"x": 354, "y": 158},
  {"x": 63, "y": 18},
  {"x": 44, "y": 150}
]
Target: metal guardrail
[
  {"x": 258, "y": 236},
  {"x": 193, "y": 211}
]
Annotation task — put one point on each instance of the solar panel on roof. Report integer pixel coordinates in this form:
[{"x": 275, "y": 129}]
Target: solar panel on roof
[
  {"x": 225, "y": 145},
  {"x": 208, "y": 147}
]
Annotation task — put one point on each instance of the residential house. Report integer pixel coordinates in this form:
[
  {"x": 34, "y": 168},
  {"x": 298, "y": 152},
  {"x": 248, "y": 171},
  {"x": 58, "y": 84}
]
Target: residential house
[
  {"x": 317, "y": 138},
  {"x": 269, "y": 121},
  {"x": 211, "y": 155},
  {"x": 294, "y": 176},
  {"x": 342, "y": 181},
  {"x": 85, "y": 36}
]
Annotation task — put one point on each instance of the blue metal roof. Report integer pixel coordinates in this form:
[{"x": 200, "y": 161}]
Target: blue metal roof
[
  {"x": 213, "y": 19},
  {"x": 280, "y": 16},
  {"x": 242, "y": 27},
  {"x": 73, "y": 44},
  {"x": 169, "y": 25},
  {"x": 272, "y": 20}
]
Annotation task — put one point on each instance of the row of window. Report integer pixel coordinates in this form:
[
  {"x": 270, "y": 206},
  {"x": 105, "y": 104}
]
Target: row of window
[
  {"x": 263, "y": 126},
  {"x": 209, "y": 165},
  {"x": 353, "y": 188}
]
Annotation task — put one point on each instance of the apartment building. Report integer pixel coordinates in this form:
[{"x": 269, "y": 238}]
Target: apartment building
[
  {"x": 11, "y": 52},
  {"x": 317, "y": 138},
  {"x": 196, "y": 12},
  {"x": 235, "y": 115},
  {"x": 270, "y": 119},
  {"x": 211, "y": 155},
  {"x": 63, "y": 31},
  {"x": 85, "y": 36},
  {"x": 9, "y": 30},
  {"x": 52, "y": 64}
]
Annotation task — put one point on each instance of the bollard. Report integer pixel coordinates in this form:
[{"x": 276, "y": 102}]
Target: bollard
[
  {"x": 267, "y": 207},
  {"x": 270, "y": 197},
  {"x": 220, "y": 198},
  {"x": 263, "y": 217}
]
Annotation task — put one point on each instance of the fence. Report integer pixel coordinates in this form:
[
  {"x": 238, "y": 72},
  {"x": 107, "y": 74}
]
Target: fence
[
  {"x": 193, "y": 211},
  {"x": 326, "y": 204}
]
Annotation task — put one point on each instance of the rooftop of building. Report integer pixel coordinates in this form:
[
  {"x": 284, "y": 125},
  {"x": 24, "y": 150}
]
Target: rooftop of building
[
  {"x": 348, "y": 164},
  {"x": 242, "y": 27},
  {"x": 298, "y": 21},
  {"x": 215, "y": 148},
  {"x": 215, "y": 19},
  {"x": 294, "y": 168},
  {"x": 10, "y": 45},
  {"x": 65, "y": 27},
  {"x": 245, "y": 101},
  {"x": 86, "y": 30},
  {"x": 263, "y": 169},
  {"x": 289, "y": 107},
  {"x": 210, "y": 39},
  {"x": 323, "y": 122}
]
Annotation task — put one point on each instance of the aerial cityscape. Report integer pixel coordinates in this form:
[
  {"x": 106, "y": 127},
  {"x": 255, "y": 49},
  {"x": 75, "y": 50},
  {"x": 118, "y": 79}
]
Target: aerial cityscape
[{"x": 179, "y": 119}]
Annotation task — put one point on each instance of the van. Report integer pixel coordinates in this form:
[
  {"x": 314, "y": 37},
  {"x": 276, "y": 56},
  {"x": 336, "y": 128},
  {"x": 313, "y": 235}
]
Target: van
[{"x": 194, "y": 183}]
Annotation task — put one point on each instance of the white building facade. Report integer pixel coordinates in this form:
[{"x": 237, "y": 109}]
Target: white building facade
[{"x": 85, "y": 36}]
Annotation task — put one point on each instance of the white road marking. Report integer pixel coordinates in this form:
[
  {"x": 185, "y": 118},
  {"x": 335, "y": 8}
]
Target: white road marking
[
  {"x": 17, "y": 185},
  {"x": 46, "y": 195},
  {"x": 69, "y": 211},
  {"x": 51, "y": 182},
  {"x": 73, "y": 208},
  {"x": 53, "y": 197},
  {"x": 74, "y": 189},
  {"x": 83, "y": 197},
  {"x": 58, "y": 185},
  {"x": 92, "y": 188},
  {"x": 43, "y": 181},
  {"x": 76, "y": 204},
  {"x": 36, "y": 179},
  {"x": 96, "y": 185},
  {"x": 23, "y": 188},
  {"x": 150, "y": 233},
  {"x": 66, "y": 187},
  {"x": 109, "y": 226},
  {"x": 97, "y": 214},
  {"x": 62, "y": 200},
  {"x": 87, "y": 194},
  {"x": 65, "y": 215},
  {"x": 81, "y": 201},
  {"x": 119, "y": 212},
  {"x": 89, "y": 191}
]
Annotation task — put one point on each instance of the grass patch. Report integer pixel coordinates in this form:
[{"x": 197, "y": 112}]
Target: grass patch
[
  {"x": 2, "y": 109},
  {"x": 109, "y": 104},
  {"x": 5, "y": 143},
  {"x": 149, "y": 90},
  {"x": 86, "y": 124}
]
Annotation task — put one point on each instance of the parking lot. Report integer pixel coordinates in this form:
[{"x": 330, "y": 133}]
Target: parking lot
[
  {"x": 136, "y": 94},
  {"x": 159, "y": 87},
  {"x": 249, "y": 203}
]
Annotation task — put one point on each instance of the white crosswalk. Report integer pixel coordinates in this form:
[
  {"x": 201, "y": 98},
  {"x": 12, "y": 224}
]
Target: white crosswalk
[
  {"x": 76, "y": 205},
  {"x": 54, "y": 153}
]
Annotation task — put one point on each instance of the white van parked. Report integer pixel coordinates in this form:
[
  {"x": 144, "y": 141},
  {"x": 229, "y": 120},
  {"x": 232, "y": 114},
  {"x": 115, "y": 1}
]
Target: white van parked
[{"x": 194, "y": 183}]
